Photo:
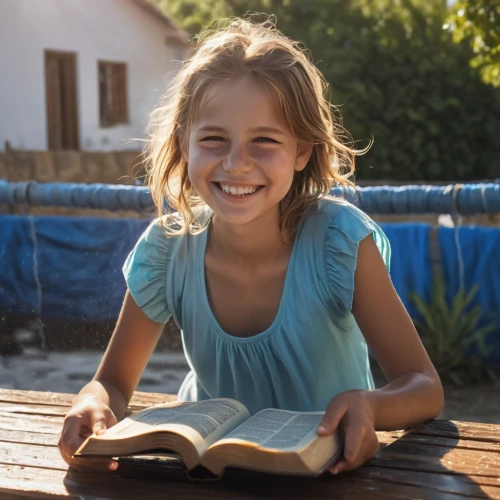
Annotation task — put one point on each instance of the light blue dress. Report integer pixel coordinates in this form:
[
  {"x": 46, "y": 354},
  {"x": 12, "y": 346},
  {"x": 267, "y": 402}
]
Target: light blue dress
[{"x": 313, "y": 349}]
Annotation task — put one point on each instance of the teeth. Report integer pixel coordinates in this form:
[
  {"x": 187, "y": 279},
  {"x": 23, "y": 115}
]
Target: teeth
[{"x": 238, "y": 190}]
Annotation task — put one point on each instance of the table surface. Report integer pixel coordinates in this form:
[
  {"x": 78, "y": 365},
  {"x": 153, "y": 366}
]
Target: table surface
[{"x": 438, "y": 460}]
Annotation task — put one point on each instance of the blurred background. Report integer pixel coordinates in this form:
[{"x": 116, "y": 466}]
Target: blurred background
[{"x": 78, "y": 79}]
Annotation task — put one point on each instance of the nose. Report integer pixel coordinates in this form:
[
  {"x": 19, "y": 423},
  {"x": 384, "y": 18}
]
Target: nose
[{"x": 238, "y": 160}]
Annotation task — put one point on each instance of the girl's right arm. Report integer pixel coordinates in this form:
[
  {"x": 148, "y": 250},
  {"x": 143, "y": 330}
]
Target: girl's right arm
[{"x": 104, "y": 400}]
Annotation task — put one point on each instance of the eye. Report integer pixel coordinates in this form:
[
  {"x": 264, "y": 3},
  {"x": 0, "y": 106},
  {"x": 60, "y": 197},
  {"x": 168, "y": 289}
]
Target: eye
[
  {"x": 212, "y": 138},
  {"x": 266, "y": 139}
]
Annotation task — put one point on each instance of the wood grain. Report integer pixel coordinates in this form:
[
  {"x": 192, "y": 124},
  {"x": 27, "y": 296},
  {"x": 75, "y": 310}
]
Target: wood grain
[{"x": 439, "y": 460}]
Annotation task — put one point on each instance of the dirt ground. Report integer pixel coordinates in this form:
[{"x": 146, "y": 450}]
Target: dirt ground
[
  {"x": 63, "y": 367},
  {"x": 473, "y": 403}
]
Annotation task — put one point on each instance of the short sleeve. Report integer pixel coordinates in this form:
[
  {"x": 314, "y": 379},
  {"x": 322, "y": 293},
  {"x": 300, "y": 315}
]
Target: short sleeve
[
  {"x": 345, "y": 230},
  {"x": 145, "y": 271}
]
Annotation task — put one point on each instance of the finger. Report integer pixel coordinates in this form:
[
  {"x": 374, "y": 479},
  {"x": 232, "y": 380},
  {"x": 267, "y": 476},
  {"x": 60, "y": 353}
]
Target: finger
[
  {"x": 93, "y": 464},
  {"x": 99, "y": 427},
  {"x": 70, "y": 438},
  {"x": 339, "y": 467},
  {"x": 101, "y": 421},
  {"x": 352, "y": 449},
  {"x": 367, "y": 449},
  {"x": 331, "y": 420},
  {"x": 354, "y": 439}
]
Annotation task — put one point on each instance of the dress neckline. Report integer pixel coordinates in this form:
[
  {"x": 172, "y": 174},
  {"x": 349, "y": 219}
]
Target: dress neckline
[{"x": 283, "y": 301}]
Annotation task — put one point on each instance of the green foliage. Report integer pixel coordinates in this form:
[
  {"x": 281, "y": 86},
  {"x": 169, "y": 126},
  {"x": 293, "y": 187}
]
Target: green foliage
[
  {"x": 193, "y": 15},
  {"x": 450, "y": 331},
  {"x": 397, "y": 76},
  {"x": 477, "y": 22}
]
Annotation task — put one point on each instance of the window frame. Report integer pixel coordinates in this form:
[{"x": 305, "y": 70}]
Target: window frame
[{"x": 112, "y": 80}]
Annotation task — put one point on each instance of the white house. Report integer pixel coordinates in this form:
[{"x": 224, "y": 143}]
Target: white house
[{"x": 82, "y": 74}]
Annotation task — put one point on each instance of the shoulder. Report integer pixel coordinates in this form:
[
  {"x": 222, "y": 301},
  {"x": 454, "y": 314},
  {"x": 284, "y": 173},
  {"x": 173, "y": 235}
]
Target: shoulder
[
  {"x": 337, "y": 211},
  {"x": 345, "y": 221},
  {"x": 159, "y": 257},
  {"x": 343, "y": 226},
  {"x": 165, "y": 233}
]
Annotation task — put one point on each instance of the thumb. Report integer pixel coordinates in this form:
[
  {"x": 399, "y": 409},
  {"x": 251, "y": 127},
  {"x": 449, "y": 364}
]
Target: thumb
[
  {"x": 99, "y": 427},
  {"x": 103, "y": 421},
  {"x": 331, "y": 420}
]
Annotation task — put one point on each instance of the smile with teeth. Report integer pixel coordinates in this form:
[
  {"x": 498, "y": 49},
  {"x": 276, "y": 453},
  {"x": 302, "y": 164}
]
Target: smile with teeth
[{"x": 239, "y": 191}]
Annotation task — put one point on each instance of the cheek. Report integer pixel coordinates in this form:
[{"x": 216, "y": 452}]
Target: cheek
[
  {"x": 278, "y": 166},
  {"x": 204, "y": 157},
  {"x": 274, "y": 157}
]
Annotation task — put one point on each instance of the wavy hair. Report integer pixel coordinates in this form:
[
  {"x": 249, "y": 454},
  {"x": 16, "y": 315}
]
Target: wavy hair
[{"x": 246, "y": 47}]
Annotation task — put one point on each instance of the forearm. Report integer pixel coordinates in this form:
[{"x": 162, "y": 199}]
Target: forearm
[
  {"x": 408, "y": 400},
  {"x": 108, "y": 394}
]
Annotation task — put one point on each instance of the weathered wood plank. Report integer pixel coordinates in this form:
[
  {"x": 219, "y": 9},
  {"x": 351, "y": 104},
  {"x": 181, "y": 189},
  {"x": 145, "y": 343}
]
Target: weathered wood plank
[
  {"x": 37, "y": 397},
  {"x": 28, "y": 417},
  {"x": 470, "y": 486},
  {"x": 453, "y": 483},
  {"x": 465, "y": 430},
  {"x": 410, "y": 458},
  {"x": 236, "y": 485},
  {"x": 28, "y": 437},
  {"x": 474, "y": 444},
  {"x": 33, "y": 409},
  {"x": 52, "y": 410},
  {"x": 385, "y": 438},
  {"x": 31, "y": 455},
  {"x": 439, "y": 459},
  {"x": 61, "y": 399},
  {"x": 12, "y": 422}
]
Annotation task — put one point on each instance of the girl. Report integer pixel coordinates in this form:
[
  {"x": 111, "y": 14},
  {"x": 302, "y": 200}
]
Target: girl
[{"x": 277, "y": 287}]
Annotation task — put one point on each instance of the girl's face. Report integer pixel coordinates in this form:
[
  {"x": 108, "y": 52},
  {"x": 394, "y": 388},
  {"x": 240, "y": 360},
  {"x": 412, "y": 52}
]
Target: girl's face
[{"x": 241, "y": 156}]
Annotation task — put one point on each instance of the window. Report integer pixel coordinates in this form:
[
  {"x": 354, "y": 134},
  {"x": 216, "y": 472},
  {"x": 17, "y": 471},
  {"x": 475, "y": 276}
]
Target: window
[{"x": 113, "y": 107}]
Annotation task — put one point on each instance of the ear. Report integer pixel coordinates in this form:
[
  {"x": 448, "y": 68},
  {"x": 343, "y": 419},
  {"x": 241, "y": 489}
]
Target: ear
[{"x": 304, "y": 152}]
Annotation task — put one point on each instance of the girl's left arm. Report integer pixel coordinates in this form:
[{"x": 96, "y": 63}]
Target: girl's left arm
[{"x": 414, "y": 392}]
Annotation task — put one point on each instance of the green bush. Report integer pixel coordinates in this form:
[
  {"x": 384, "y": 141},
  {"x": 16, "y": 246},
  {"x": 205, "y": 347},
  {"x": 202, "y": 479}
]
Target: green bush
[
  {"x": 451, "y": 332},
  {"x": 397, "y": 76}
]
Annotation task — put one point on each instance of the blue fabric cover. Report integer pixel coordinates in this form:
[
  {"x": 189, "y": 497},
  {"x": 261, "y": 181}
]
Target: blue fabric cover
[
  {"x": 480, "y": 251},
  {"x": 410, "y": 260},
  {"x": 80, "y": 259},
  {"x": 79, "y": 265}
]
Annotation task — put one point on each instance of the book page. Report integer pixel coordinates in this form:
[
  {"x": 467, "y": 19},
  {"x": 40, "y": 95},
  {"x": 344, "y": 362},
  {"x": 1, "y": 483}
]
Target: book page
[
  {"x": 210, "y": 420},
  {"x": 278, "y": 429}
]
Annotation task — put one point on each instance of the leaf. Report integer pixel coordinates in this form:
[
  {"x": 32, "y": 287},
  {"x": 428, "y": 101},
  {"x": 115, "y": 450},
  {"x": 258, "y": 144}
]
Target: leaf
[{"x": 449, "y": 333}]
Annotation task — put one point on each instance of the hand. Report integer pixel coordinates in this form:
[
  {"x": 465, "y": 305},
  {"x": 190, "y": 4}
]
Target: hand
[
  {"x": 87, "y": 416},
  {"x": 351, "y": 412}
]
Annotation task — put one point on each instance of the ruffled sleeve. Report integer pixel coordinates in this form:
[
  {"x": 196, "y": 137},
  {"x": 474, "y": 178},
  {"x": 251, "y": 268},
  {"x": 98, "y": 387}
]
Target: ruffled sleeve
[
  {"x": 345, "y": 230},
  {"x": 145, "y": 272}
]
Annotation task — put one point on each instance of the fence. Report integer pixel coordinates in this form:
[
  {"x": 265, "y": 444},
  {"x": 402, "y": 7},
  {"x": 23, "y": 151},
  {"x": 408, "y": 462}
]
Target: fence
[{"x": 62, "y": 267}]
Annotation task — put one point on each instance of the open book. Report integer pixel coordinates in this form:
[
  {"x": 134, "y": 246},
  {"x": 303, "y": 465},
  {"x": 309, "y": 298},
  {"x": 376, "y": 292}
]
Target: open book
[{"x": 220, "y": 433}]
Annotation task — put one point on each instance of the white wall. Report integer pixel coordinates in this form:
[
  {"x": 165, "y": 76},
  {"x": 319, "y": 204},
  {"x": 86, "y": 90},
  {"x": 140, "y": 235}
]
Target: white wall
[{"x": 112, "y": 30}]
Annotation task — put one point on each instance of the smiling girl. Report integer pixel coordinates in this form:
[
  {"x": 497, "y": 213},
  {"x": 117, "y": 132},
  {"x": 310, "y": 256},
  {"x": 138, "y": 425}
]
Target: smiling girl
[{"x": 278, "y": 288}]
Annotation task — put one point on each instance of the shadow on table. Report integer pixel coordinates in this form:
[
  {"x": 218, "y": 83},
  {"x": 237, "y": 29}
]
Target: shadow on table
[
  {"x": 411, "y": 467},
  {"x": 429, "y": 456}
]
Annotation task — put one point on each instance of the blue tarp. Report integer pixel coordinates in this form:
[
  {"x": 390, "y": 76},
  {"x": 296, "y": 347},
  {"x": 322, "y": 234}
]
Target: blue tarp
[
  {"x": 480, "y": 254},
  {"x": 79, "y": 264},
  {"x": 410, "y": 260}
]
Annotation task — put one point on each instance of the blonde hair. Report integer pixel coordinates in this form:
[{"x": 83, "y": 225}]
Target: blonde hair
[{"x": 240, "y": 48}]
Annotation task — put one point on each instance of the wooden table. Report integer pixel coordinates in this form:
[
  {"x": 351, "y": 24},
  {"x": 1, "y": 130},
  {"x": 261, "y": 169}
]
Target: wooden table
[{"x": 439, "y": 460}]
